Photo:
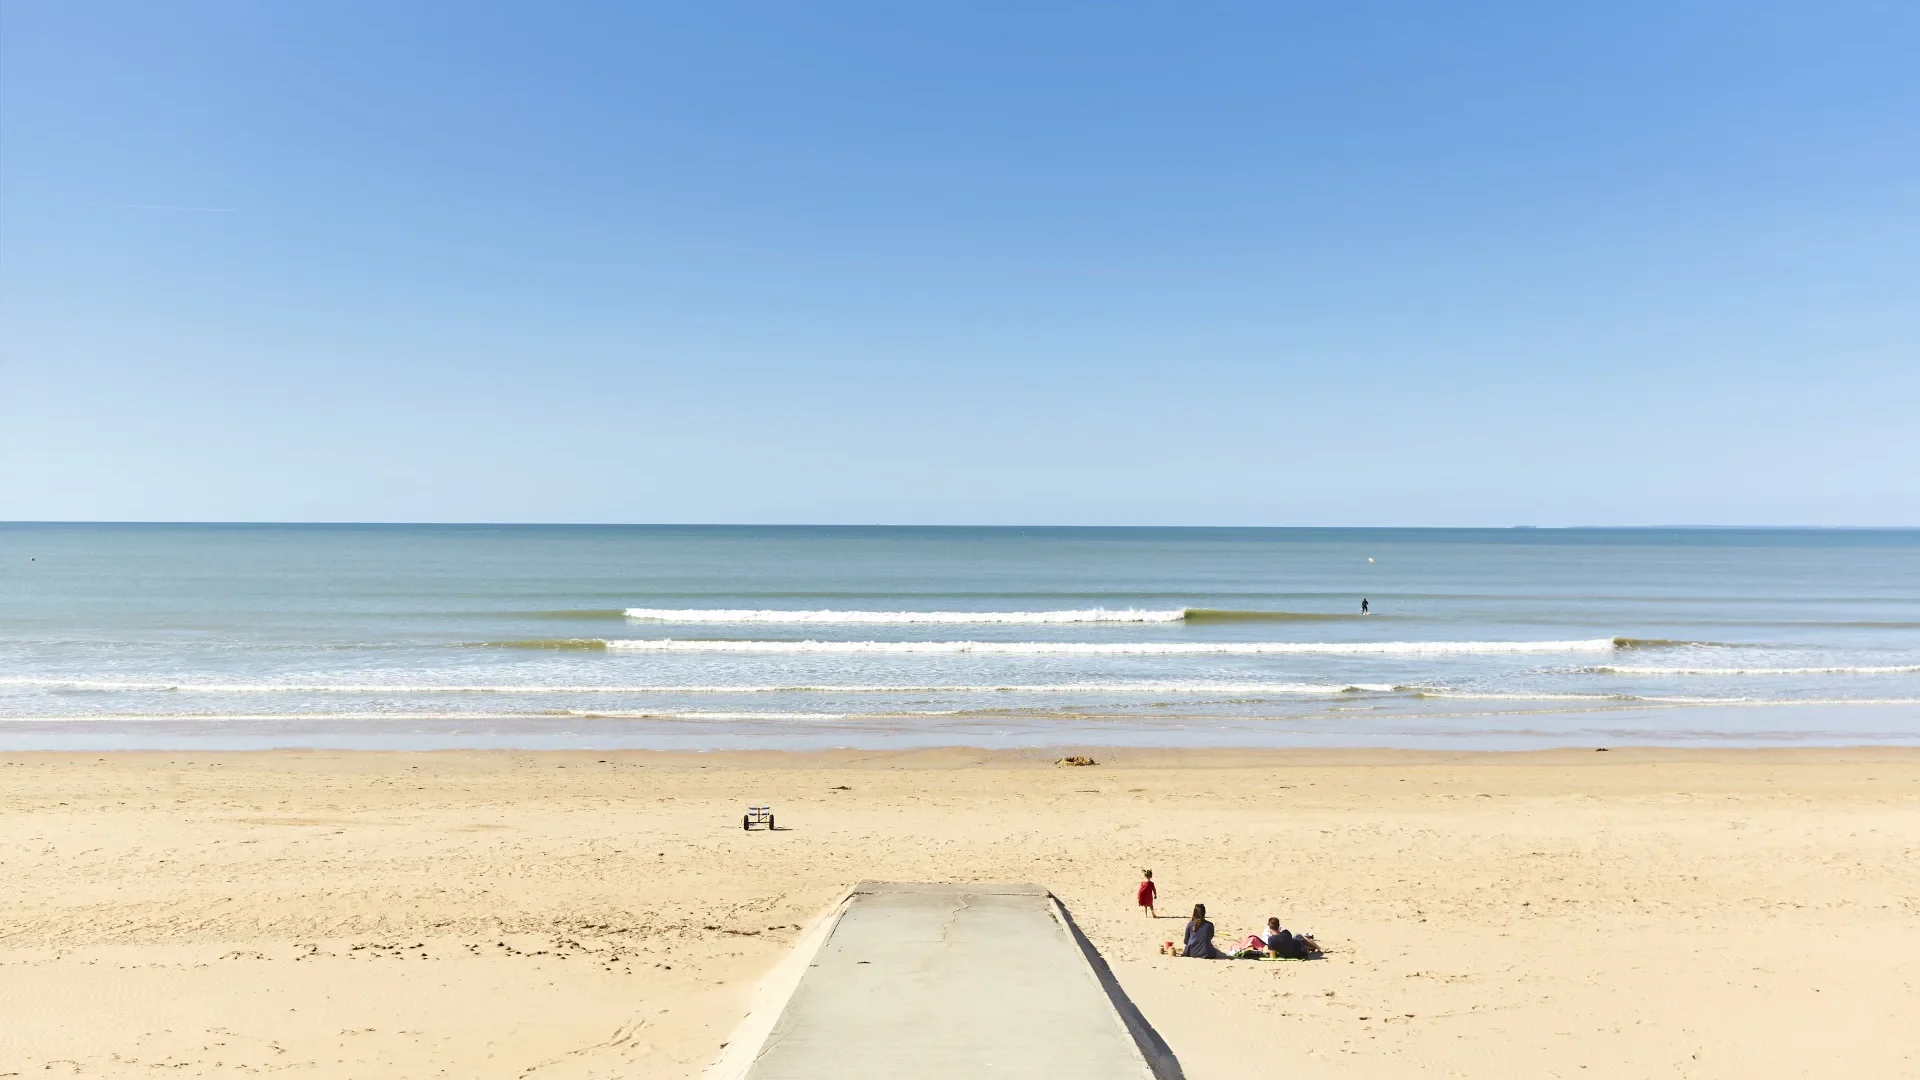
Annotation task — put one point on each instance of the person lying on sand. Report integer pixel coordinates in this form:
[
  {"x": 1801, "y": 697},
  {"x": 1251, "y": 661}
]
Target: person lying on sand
[
  {"x": 1283, "y": 944},
  {"x": 1277, "y": 944},
  {"x": 1200, "y": 937}
]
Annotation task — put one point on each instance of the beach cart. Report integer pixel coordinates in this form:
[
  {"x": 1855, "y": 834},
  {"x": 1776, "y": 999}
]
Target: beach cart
[{"x": 758, "y": 815}]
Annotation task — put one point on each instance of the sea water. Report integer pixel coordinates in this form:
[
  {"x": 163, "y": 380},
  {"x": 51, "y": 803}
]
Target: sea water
[{"x": 232, "y": 636}]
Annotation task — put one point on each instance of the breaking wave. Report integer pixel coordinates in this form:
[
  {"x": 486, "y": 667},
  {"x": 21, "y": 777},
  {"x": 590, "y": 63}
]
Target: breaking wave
[
  {"x": 670, "y": 714},
  {"x": 1089, "y": 648},
  {"x": 976, "y": 618},
  {"x": 1652, "y": 699},
  {"x": 291, "y": 717},
  {"x": 1558, "y": 703},
  {"x": 743, "y": 615},
  {"x": 562, "y": 644},
  {"x": 1213, "y": 615},
  {"x": 1139, "y": 687},
  {"x": 1476, "y": 695},
  {"x": 1634, "y": 669}
]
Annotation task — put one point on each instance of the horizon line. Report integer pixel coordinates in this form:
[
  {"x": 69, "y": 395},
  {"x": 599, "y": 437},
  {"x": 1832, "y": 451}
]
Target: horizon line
[{"x": 912, "y": 525}]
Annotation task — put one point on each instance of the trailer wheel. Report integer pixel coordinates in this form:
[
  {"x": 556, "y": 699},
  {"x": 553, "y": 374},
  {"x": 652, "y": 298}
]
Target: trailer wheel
[
  {"x": 746, "y": 822},
  {"x": 769, "y": 822}
]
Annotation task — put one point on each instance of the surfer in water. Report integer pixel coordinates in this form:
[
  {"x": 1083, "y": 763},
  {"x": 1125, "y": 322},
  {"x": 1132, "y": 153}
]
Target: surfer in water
[{"x": 1363, "y": 605}]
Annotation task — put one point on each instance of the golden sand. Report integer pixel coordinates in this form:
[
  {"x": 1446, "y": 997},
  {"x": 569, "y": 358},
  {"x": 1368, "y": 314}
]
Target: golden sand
[{"x": 1704, "y": 913}]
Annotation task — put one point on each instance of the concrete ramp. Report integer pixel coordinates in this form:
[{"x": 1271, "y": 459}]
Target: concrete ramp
[{"x": 938, "y": 981}]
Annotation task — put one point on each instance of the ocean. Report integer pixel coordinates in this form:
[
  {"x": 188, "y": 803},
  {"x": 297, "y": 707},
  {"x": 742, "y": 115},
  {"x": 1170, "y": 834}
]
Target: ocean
[{"x": 707, "y": 637}]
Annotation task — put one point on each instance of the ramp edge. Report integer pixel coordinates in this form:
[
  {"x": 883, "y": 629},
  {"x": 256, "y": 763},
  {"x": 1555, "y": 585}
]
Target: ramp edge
[
  {"x": 1156, "y": 1057},
  {"x": 770, "y": 996}
]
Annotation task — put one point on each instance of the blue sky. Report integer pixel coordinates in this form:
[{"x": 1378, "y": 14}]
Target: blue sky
[{"x": 972, "y": 263}]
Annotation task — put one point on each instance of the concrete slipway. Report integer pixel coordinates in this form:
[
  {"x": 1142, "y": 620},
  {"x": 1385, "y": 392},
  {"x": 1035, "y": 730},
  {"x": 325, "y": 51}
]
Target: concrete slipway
[{"x": 938, "y": 981}]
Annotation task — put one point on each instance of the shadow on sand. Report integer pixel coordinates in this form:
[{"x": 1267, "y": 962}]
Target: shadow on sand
[{"x": 1159, "y": 1056}]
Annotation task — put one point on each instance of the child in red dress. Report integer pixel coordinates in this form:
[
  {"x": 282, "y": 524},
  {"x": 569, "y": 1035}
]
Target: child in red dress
[{"x": 1146, "y": 894}]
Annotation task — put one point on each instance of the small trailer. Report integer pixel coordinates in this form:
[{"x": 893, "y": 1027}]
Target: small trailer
[{"x": 758, "y": 815}]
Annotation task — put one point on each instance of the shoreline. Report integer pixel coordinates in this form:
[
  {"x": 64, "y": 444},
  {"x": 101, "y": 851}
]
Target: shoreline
[
  {"x": 1679, "y": 726},
  {"x": 1647, "y": 911},
  {"x": 962, "y": 755}
]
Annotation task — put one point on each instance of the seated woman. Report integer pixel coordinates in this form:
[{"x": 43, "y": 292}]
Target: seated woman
[
  {"x": 1200, "y": 936},
  {"x": 1286, "y": 945}
]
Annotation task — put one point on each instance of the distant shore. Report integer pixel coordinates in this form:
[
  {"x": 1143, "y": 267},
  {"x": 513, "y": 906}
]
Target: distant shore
[{"x": 1650, "y": 912}]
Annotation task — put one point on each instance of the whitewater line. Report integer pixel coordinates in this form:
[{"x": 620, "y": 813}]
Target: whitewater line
[
  {"x": 745, "y": 615},
  {"x": 1600, "y": 703},
  {"x": 1885, "y": 669},
  {"x": 1085, "y": 648},
  {"x": 1142, "y": 687}
]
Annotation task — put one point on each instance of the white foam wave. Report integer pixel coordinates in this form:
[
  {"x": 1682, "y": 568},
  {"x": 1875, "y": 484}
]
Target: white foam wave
[
  {"x": 1089, "y": 648},
  {"x": 1471, "y": 695},
  {"x": 743, "y": 615},
  {"x": 1596, "y": 703},
  {"x": 1139, "y": 687},
  {"x": 1884, "y": 669},
  {"x": 614, "y": 714},
  {"x": 1636, "y": 700},
  {"x": 1824, "y": 701},
  {"x": 621, "y": 714},
  {"x": 291, "y": 717}
]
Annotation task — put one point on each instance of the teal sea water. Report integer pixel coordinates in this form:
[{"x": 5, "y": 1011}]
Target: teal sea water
[{"x": 232, "y": 636}]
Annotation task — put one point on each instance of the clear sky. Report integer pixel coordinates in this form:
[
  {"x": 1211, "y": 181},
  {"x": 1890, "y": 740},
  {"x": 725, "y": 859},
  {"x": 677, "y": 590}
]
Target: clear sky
[{"x": 1327, "y": 263}]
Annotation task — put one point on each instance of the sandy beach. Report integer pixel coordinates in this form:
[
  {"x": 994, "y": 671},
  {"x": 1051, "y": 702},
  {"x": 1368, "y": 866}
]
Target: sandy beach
[{"x": 1707, "y": 913}]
